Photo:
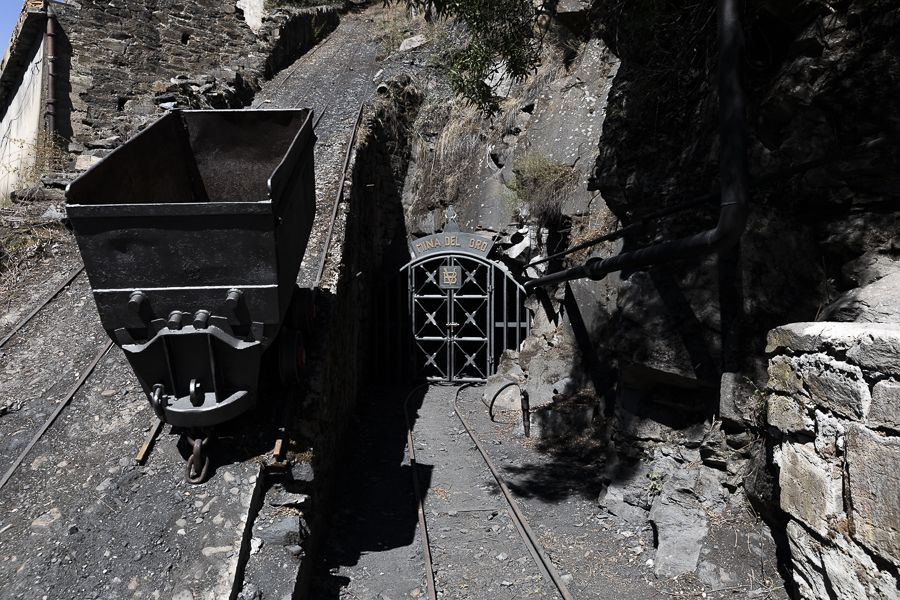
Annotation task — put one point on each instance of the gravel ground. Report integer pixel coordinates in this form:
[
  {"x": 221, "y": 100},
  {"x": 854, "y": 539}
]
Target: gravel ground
[
  {"x": 80, "y": 519},
  {"x": 605, "y": 556},
  {"x": 334, "y": 79}
]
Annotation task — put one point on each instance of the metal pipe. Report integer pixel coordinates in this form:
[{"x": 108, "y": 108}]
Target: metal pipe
[
  {"x": 50, "y": 39},
  {"x": 732, "y": 173}
]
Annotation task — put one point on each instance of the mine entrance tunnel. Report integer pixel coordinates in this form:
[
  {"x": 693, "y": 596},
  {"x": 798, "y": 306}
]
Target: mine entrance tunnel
[
  {"x": 463, "y": 312},
  {"x": 448, "y": 314}
]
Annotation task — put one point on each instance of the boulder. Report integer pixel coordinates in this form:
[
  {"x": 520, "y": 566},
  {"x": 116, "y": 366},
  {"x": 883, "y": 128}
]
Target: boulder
[
  {"x": 810, "y": 487},
  {"x": 873, "y": 464},
  {"x": 508, "y": 372},
  {"x": 788, "y": 415},
  {"x": 550, "y": 374},
  {"x": 411, "y": 43},
  {"x": 885, "y": 408},
  {"x": 739, "y": 402},
  {"x": 873, "y": 303},
  {"x": 681, "y": 525}
]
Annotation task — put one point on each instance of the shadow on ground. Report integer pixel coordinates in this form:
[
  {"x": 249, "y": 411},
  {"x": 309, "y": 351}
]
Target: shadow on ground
[{"x": 375, "y": 508}]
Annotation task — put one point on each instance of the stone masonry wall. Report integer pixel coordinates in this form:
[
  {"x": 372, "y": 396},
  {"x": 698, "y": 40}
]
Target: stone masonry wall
[
  {"x": 833, "y": 398},
  {"x": 122, "y": 64}
]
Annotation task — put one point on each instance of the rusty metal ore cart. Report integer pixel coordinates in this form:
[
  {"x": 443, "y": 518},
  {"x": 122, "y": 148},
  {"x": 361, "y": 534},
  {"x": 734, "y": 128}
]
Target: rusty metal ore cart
[{"x": 192, "y": 234}]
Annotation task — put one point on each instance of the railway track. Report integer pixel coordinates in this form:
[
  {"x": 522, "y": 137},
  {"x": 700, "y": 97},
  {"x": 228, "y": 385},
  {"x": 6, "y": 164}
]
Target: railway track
[
  {"x": 63, "y": 402},
  {"x": 528, "y": 538},
  {"x": 156, "y": 429},
  {"x": 101, "y": 447},
  {"x": 43, "y": 302}
]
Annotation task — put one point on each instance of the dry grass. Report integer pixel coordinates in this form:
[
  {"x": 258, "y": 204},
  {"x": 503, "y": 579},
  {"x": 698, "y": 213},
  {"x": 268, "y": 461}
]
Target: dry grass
[
  {"x": 598, "y": 222},
  {"x": 542, "y": 186},
  {"x": 26, "y": 243},
  {"x": 394, "y": 25},
  {"x": 452, "y": 137},
  {"x": 24, "y": 238},
  {"x": 448, "y": 146},
  {"x": 49, "y": 157}
]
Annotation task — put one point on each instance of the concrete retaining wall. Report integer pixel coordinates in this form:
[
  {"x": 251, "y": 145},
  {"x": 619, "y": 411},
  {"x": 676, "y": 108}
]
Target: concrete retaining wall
[
  {"x": 20, "y": 128},
  {"x": 833, "y": 398}
]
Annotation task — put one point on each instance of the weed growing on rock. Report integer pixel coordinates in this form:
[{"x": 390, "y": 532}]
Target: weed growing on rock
[
  {"x": 541, "y": 186},
  {"x": 42, "y": 156},
  {"x": 446, "y": 160}
]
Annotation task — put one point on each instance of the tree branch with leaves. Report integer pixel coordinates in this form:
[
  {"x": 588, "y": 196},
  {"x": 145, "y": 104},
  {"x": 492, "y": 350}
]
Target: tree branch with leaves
[{"x": 504, "y": 40}]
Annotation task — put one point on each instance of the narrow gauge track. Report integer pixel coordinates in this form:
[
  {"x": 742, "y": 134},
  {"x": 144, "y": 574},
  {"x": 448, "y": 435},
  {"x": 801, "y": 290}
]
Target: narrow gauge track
[
  {"x": 70, "y": 393},
  {"x": 145, "y": 448},
  {"x": 339, "y": 196},
  {"x": 44, "y": 302},
  {"x": 529, "y": 539},
  {"x": 62, "y": 405}
]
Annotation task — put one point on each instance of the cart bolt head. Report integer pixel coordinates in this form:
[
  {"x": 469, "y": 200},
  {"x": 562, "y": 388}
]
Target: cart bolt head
[
  {"x": 174, "y": 320},
  {"x": 136, "y": 299},
  {"x": 233, "y": 298},
  {"x": 201, "y": 319}
]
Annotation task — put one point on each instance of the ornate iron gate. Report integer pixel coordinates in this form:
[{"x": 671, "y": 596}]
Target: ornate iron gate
[{"x": 465, "y": 311}]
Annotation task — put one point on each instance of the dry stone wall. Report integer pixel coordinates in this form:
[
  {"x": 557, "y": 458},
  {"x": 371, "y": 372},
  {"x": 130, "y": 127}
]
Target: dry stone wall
[
  {"x": 124, "y": 63},
  {"x": 834, "y": 402}
]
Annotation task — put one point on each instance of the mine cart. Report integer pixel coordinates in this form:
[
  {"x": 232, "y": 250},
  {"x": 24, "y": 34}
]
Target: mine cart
[{"x": 192, "y": 234}]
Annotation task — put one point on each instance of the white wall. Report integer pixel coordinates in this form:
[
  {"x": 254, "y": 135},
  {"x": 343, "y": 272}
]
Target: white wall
[{"x": 20, "y": 128}]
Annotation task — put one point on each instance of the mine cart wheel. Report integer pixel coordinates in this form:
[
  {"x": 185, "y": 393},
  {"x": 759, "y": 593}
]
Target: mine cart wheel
[
  {"x": 196, "y": 470},
  {"x": 291, "y": 357}
]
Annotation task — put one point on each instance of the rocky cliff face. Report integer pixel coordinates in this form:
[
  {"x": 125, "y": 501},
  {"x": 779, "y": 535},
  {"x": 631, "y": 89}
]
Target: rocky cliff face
[
  {"x": 822, "y": 92},
  {"x": 821, "y": 244}
]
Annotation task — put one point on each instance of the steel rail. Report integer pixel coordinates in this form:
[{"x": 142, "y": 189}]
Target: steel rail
[
  {"x": 530, "y": 538},
  {"x": 430, "y": 585},
  {"x": 62, "y": 405},
  {"x": 338, "y": 197},
  {"x": 44, "y": 302}
]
